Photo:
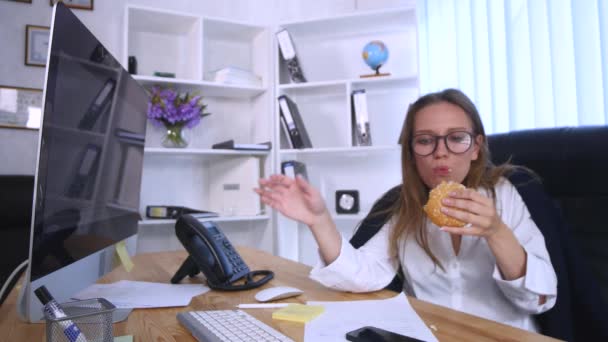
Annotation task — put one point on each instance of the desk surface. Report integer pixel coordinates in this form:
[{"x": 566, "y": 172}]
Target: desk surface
[{"x": 161, "y": 324}]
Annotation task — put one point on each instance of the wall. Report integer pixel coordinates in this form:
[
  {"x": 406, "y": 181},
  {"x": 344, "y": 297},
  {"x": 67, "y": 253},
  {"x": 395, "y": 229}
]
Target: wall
[{"x": 106, "y": 22}]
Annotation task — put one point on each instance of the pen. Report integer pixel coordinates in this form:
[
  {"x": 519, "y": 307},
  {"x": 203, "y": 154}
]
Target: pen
[
  {"x": 262, "y": 306},
  {"x": 53, "y": 309}
]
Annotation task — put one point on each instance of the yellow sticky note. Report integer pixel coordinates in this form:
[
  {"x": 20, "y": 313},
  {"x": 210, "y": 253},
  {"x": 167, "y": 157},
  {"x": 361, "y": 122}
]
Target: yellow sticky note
[
  {"x": 123, "y": 255},
  {"x": 298, "y": 313}
]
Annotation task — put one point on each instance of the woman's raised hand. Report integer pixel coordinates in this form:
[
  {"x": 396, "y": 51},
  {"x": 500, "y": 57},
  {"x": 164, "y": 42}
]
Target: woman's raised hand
[{"x": 294, "y": 198}]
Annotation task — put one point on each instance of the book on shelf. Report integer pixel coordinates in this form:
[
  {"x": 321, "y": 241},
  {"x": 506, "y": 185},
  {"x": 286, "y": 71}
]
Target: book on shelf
[
  {"x": 174, "y": 211},
  {"x": 291, "y": 168},
  {"x": 288, "y": 52},
  {"x": 360, "y": 118},
  {"x": 236, "y": 76},
  {"x": 231, "y": 145},
  {"x": 293, "y": 124}
]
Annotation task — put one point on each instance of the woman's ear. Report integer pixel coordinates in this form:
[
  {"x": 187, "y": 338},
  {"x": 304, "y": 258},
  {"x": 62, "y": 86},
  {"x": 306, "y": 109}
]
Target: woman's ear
[{"x": 479, "y": 140}]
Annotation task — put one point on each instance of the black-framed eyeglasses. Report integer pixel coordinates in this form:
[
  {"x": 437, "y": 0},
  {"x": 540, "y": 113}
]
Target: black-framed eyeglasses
[{"x": 457, "y": 142}]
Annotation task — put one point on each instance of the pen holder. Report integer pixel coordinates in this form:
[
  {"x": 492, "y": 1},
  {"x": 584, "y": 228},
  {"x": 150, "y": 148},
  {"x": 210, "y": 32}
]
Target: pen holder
[{"x": 92, "y": 317}]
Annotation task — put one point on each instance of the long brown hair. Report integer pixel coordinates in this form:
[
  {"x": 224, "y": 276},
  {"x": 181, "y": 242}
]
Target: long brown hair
[{"x": 408, "y": 216}]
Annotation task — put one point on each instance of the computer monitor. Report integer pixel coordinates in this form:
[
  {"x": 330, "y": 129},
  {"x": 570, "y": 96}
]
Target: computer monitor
[{"x": 89, "y": 166}]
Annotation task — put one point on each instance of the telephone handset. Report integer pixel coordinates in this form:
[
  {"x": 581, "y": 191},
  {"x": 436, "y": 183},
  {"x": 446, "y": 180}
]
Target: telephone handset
[{"x": 211, "y": 252}]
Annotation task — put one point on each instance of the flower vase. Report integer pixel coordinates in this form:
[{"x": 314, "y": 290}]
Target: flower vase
[{"x": 176, "y": 137}]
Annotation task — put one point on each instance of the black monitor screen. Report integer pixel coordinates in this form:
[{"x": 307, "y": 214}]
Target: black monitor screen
[{"x": 91, "y": 150}]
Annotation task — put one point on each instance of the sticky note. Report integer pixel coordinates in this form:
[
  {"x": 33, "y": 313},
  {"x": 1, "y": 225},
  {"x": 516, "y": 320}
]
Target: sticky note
[
  {"x": 298, "y": 313},
  {"x": 125, "y": 338},
  {"x": 123, "y": 256}
]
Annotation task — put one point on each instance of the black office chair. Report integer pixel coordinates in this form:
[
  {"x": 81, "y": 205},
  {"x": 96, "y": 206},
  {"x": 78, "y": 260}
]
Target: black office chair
[
  {"x": 572, "y": 167},
  {"x": 15, "y": 216}
]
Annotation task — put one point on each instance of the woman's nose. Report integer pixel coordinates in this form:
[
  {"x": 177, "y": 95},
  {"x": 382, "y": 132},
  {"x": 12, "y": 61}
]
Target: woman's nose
[{"x": 442, "y": 149}]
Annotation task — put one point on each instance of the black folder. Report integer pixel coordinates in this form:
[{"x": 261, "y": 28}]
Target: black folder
[
  {"x": 361, "y": 130},
  {"x": 292, "y": 121},
  {"x": 292, "y": 168},
  {"x": 98, "y": 106},
  {"x": 288, "y": 52}
]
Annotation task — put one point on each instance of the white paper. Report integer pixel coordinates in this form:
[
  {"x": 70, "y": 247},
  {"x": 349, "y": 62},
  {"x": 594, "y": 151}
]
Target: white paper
[
  {"x": 393, "y": 314},
  {"x": 126, "y": 294}
]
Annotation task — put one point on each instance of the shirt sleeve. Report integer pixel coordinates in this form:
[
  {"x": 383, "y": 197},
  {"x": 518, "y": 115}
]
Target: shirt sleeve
[
  {"x": 369, "y": 268},
  {"x": 540, "y": 278}
]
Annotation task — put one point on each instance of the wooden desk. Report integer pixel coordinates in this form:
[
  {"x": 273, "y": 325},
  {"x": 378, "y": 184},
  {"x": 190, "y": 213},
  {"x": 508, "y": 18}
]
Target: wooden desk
[{"x": 162, "y": 325}]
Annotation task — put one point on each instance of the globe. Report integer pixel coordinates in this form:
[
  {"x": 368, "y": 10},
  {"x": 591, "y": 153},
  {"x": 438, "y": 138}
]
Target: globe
[{"x": 375, "y": 54}]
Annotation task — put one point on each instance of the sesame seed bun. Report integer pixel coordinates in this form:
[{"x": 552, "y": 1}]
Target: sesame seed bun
[{"x": 433, "y": 207}]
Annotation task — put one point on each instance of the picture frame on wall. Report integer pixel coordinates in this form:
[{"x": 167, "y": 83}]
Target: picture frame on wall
[
  {"x": 22, "y": 1},
  {"x": 78, "y": 4},
  {"x": 20, "y": 107},
  {"x": 36, "y": 45}
]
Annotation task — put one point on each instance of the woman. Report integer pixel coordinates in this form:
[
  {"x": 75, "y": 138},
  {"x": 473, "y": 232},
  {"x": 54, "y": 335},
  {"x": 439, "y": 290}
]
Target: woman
[{"x": 496, "y": 267}]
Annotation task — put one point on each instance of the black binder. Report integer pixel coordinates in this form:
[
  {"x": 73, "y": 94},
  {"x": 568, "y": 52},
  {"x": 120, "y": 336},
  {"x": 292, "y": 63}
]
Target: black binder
[
  {"x": 288, "y": 52},
  {"x": 98, "y": 106},
  {"x": 361, "y": 130},
  {"x": 290, "y": 116},
  {"x": 84, "y": 173},
  {"x": 292, "y": 168}
]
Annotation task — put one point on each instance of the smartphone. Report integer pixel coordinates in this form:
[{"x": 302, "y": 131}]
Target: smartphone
[{"x": 373, "y": 334}]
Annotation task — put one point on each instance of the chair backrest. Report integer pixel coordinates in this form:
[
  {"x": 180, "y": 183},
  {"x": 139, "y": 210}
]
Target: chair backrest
[
  {"x": 573, "y": 166},
  {"x": 16, "y": 193}
]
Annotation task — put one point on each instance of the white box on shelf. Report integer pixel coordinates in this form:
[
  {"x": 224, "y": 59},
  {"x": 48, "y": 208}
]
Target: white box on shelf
[{"x": 231, "y": 183}]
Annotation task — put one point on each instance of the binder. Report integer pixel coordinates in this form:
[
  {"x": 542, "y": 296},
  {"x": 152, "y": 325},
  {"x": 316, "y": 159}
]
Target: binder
[
  {"x": 85, "y": 170},
  {"x": 287, "y": 140},
  {"x": 288, "y": 52},
  {"x": 230, "y": 145},
  {"x": 361, "y": 130},
  {"x": 291, "y": 168},
  {"x": 102, "y": 99},
  {"x": 290, "y": 115}
]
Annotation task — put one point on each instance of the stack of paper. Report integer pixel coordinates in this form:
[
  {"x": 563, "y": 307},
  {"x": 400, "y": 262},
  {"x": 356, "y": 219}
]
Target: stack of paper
[
  {"x": 394, "y": 314},
  {"x": 127, "y": 294},
  {"x": 237, "y": 76}
]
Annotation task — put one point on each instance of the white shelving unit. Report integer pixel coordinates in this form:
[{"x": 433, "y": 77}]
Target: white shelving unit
[
  {"x": 329, "y": 52},
  {"x": 192, "y": 47}
]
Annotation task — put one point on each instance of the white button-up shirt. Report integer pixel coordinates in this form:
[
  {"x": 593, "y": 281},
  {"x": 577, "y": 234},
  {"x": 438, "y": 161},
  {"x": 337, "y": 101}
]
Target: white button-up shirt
[{"x": 471, "y": 281}]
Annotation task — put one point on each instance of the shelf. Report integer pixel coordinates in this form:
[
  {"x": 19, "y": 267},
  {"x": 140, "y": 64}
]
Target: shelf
[
  {"x": 360, "y": 151},
  {"x": 202, "y": 153},
  {"x": 354, "y": 217},
  {"x": 372, "y": 21},
  {"x": 77, "y": 132},
  {"x": 207, "y": 88},
  {"x": 122, "y": 207},
  {"x": 373, "y": 82},
  {"x": 214, "y": 219}
]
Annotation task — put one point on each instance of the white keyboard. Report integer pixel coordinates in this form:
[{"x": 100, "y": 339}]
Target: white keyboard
[{"x": 228, "y": 325}]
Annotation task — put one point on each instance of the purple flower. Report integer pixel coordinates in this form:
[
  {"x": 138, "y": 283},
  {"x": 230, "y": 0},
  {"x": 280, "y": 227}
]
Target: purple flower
[{"x": 169, "y": 108}]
